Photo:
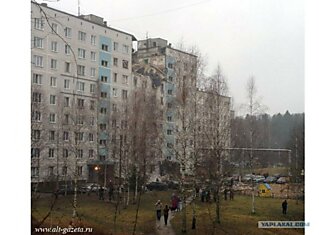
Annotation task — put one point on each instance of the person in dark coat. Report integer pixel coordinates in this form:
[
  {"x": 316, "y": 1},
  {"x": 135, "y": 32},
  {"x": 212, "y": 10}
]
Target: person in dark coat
[
  {"x": 165, "y": 211},
  {"x": 110, "y": 190},
  {"x": 231, "y": 194},
  {"x": 101, "y": 193},
  {"x": 284, "y": 207},
  {"x": 225, "y": 194}
]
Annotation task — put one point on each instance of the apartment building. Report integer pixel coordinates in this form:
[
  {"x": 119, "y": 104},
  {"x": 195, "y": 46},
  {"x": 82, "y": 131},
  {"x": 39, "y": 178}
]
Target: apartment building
[
  {"x": 81, "y": 68},
  {"x": 177, "y": 90}
]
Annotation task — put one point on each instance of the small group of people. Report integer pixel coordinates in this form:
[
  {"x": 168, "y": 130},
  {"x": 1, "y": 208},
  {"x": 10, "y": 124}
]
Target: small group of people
[
  {"x": 101, "y": 191},
  {"x": 204, "y": 195},
  {"x": 231, "y": 194},
  {"x": 176, "y": 203},
  {"x": 159, "y": 206}
]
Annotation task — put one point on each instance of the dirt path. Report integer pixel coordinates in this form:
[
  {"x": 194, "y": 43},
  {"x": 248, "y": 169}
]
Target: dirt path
[{"x": 162, "y": 229}]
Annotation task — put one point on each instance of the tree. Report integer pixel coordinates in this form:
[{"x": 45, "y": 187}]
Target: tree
[
  {"x": 254, "y": 109},
  {"x": 215, "y": 131}
]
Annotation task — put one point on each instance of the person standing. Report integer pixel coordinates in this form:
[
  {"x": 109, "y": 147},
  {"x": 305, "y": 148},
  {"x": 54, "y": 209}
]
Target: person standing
[
  {"x": 158, "y": 206},
  {"x": 110, "y": 190},
  {"x": 165, "y": 212},
  {"x": 101, "y": 193},
  {"x": 284, "y": 207}
]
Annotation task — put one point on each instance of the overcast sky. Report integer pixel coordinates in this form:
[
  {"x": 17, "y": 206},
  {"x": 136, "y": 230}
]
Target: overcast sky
[{"x": 263, "y": 38}]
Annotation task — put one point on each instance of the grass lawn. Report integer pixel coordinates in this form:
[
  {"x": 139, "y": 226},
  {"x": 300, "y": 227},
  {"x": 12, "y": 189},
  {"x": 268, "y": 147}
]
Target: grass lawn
[
  {"x": 237, "y": 219},
  {"x": 100, "y": 215}
]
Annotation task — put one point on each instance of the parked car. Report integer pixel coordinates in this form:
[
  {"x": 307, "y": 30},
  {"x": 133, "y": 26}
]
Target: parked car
[
  {"x": 247, "y": 178},
  {"x": 65, "y": 189},
  {"x": 270, "y": 179},
  {"x": 282, "y": 180},
  {"x": 173, "y": 184},
  {"x": 157, "y": 186},
  {"x": 89, "y": 187},
  {"x": 259, "y": 178}
]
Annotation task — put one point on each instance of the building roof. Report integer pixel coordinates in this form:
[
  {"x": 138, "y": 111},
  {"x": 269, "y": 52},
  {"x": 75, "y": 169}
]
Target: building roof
[{"x": 81, "y": 18}]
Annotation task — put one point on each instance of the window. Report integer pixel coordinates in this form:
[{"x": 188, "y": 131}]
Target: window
[
  {"x": 68, "y": 32},
  {"x": 169, "y": 105},
  {"x": 53, "y": 64},
  {"x": 125, "y": 64},
  {"x": 66, "y": 101},
  {"x": 53, "y": 81},
  {"x": 104, "y": 63},
  {"x": 79, "y": 153},
  {"x": 81, "y": 36},
  {"x": 126, "y": 49},
  {"x": 91, "y": 153},
  {"x": 135, "y": 81},
  {"x": 169, "y": 132},
  {"x": 51, "y": 135},
  {"x": 170, "y": 92},
  {"x": 91, "y": 137},
  {"x": 103, "y": 78},
  {"x": 114, "y": 92},
  {"x": 113, "y": 123},
  {"x": 169, "y": 145},
  {"x": 80, "y": 86},
  {"x": 38, "y": 23},
  {"x": 92, "y": 121},
  {"x": 92, "y": 105},
  {"x": 81, "y": 70},
  {"x": 80, "y": 103},
  {"x": 115, "y": 61},
  {"x": 65, "y": 135},
  {"x": 36, "y": 97},
  {"x": 36, "y": 134},
  {"x": 79, "y": 136},
  {"x": 170, "y": 78},
  {"x": 115, "y": 46},
  {"x": 65, "y": 153},
  {"x": 51, "y": 153},
  {"x": 102, "y": 157},
  {"x": 67, "y": 67},
  {"x": 66, "y": 119},
  {"x": 79, "y": 120},
  {"x": 93, "y": 56},
  {"x": 103, "y": 94},
  {"x": 114, "y": 107},
  {"x": 124, "y": 94},
  {"x": 79, "y": 170},
  {"x": 38, "y": 42},
  {"x": 115, "y": 77},
  {"x": 54, "y": 46},
  {"x": 185, "y": 66},
  {"x": 67, "y": 49},
  {"x": 92, "y": 88},
  {"x": 37, "y": 79},
  {"x": 64, "y": 170},
  {"x": 81, "y": 53},
  {"x": 169, "y": 118},
  {"x": 38, "y": 61},
  {"x": 92, "y": 72},
  {"x": 52, "y": 99},
  {"x": 54, "y": 28},
  {"x": 35, "y": 152},
  {"x": 145, "y": 61},
  {"x": 105, "y": 47},
  {"x": 34, "y": 171},
  {"x": 36, "y": 116},
  {"x": 125, "y": 79},
  {"x": 102, "y": 142},
  {"x": 103, "y": 110},
  {"x": 102, "y": 126},
  {"x": 93, "y": 40},
  {"x": 52, "y": 118},
  {"x": 170, "y": 65}
]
